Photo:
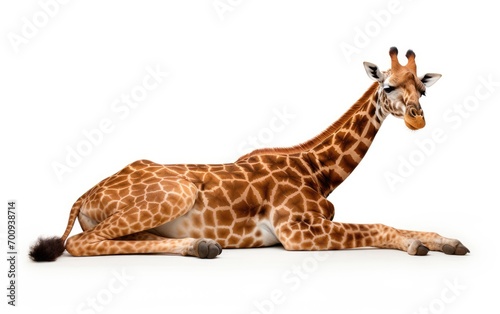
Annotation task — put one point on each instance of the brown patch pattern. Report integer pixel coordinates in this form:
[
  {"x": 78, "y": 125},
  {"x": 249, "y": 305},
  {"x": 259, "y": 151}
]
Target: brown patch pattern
[{"x": 266, "y": 197}]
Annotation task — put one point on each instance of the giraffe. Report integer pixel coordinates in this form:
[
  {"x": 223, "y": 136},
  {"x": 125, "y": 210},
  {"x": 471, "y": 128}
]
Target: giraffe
[{"x": 267, "y": 197}]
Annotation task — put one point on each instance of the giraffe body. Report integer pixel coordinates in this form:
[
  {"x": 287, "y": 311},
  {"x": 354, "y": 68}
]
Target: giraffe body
[
  {"x": 212, "y": 214},
  {"x": 267, "y": 197}
]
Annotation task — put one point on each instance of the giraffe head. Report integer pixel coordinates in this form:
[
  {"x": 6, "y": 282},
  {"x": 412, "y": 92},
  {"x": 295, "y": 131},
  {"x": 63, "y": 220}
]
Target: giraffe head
[{"x": 400, "y": 88}]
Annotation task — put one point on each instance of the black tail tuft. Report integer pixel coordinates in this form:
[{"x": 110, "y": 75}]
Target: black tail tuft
[{"x": 47, "y": 249}]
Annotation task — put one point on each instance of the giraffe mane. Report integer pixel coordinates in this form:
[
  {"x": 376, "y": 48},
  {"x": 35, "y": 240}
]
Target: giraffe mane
[{"x": 319, "y": 138}]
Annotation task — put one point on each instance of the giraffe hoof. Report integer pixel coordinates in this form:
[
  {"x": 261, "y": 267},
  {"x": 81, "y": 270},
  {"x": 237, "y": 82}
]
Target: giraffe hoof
[
  {"x": 459, "y": 249},
  {"x": 207, "y": 249},
  {"x": 417, "y": 248},
  {"x": 422, "y": 250}
]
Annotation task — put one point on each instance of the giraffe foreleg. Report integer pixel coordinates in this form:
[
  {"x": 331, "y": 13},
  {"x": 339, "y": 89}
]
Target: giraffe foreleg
[
  {"x": 323, "y": 234},
  {"x": 436, "y": 242}
]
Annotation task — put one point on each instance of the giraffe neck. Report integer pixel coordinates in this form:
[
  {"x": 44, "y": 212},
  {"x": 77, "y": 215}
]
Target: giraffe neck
[{"x": 336, "y": 152}]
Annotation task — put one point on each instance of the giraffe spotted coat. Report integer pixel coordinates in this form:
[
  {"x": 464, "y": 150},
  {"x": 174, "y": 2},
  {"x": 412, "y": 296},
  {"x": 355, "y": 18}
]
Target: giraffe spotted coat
[{"x": 267, "y": 197}]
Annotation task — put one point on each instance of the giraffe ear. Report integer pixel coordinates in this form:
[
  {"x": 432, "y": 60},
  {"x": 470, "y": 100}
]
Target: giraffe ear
[
  {"x": 429, "y": 79},
  {"x": 373, "y": 72}
]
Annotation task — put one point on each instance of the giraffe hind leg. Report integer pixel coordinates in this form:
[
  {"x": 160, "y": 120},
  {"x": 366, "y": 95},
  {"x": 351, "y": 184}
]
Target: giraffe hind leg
[
  {"x": 125, "y": 232},
  {"x": 203, "y": 248}
]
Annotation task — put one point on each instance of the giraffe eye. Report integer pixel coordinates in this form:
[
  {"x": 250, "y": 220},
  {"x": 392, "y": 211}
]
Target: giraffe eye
[{"x": 389, "y": 89}]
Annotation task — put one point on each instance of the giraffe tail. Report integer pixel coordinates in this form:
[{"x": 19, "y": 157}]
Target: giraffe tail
[{"x": 49, "y": 249}]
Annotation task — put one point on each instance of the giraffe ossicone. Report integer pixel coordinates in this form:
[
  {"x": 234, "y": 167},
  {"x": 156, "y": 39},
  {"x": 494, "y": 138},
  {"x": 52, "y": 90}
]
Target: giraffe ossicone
[{"x": 267, "y": 197}]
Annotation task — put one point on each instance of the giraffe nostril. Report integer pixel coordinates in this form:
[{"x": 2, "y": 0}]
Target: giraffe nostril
[
  {"x": 412, "y": 112},
  {"x": 415, "y": 112}
]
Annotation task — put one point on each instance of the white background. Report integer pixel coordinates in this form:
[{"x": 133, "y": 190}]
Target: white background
[{"x": 228, "y": 74}]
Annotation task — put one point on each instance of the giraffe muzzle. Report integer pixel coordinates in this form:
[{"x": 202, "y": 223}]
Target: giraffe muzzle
[{"x": 414, "y": 118}]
